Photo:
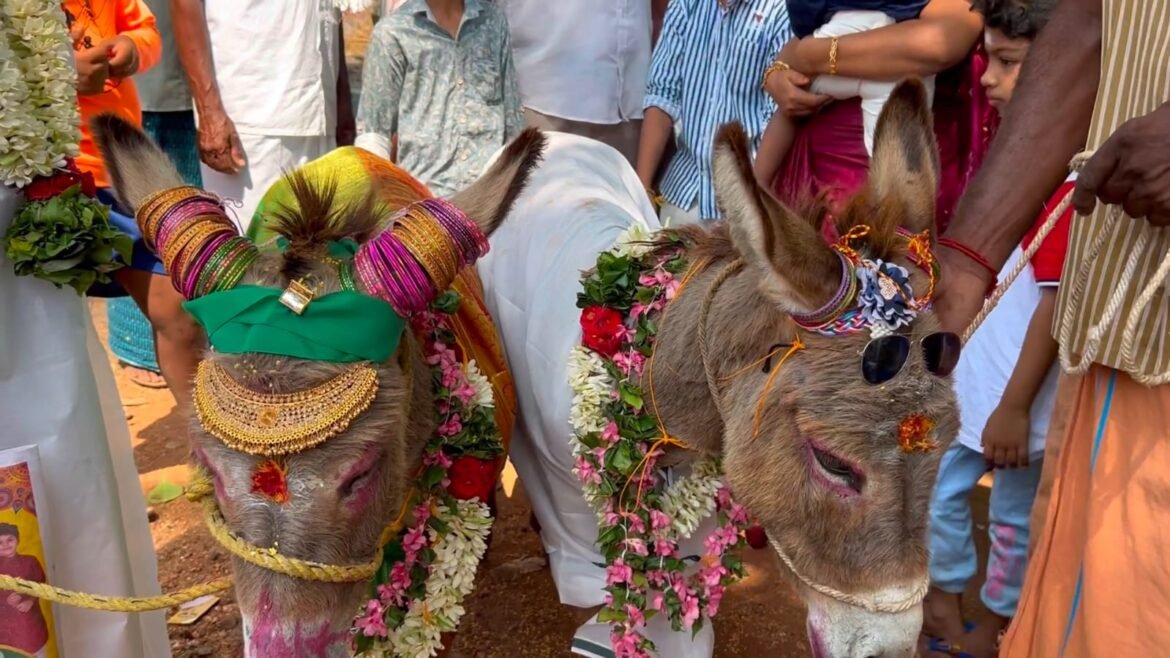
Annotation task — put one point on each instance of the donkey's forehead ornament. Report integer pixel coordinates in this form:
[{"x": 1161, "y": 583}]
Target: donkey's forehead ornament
[
  {"x": 280, "y": 423},
  {"x": 874, "y": 294}
]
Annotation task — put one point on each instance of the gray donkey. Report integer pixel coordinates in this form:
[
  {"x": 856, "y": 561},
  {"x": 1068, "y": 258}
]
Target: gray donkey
[{"x": 345, "y": 491}]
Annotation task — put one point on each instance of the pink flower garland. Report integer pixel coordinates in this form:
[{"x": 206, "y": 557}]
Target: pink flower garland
[
  {"x": 645, "y": 574},
  {"x": 405, "y": 583}
]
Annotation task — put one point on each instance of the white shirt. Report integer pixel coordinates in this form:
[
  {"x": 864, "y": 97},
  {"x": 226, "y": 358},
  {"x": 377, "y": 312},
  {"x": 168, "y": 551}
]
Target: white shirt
[
  {"x": 276, "y": 64},
  {"x": 990, "y": 357},
  {"x": 582, "y": 60}
]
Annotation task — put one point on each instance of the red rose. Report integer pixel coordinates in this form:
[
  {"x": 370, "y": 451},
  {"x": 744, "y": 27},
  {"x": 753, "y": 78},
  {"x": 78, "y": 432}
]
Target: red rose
[
  {"x": 88, "y": 185},
  {"x": 472, "y": 477},
  {"x": 44, "y": 188},
  {"x": 47, "y": 187},
  {"x": 756, "y": 537},
  {"x": 601, "y": 330}
]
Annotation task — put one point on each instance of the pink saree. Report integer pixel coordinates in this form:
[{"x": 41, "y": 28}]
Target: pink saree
[{"x": 828, "y": 155}]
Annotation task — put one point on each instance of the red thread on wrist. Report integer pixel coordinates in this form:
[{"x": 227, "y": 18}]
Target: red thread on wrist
[{"x": 979, "y": 259}]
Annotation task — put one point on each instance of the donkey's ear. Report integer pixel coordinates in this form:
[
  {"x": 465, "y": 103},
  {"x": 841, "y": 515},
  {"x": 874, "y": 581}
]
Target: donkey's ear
[
  {"x": 136, "y": 166},
  {"x": 488, "y": 200},
  {"x": 799, "y": 271},
  {"x": 903, "y": 176}
]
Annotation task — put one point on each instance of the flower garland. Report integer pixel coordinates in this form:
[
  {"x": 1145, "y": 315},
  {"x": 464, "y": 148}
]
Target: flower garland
[
  {"x": 39, "y": 117},
  {"x": 617, "y": 444},
  {"x": 430, "y": 565}
]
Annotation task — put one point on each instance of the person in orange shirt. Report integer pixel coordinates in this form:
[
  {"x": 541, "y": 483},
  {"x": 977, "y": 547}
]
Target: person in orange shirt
[{"x": 113, "y": 40}]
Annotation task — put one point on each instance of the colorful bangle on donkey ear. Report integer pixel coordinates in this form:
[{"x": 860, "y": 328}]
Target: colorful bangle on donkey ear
[
  {"x": 199, "y": 246},
  {"x": 419, "y": 256}
]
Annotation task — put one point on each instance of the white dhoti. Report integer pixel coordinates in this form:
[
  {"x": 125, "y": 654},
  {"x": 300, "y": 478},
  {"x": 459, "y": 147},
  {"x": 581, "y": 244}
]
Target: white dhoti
[
  {"x": 268, "y": 158},
  {"x": 581, "y": 197},
  {"x": 57, "y": 395}
]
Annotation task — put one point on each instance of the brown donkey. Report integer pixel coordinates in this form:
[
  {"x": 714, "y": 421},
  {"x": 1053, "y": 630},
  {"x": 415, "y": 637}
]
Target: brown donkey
[
  {"x": 841, "y": 495},
  {"x": 838, "y": 470},
  {"x": 342, "y": 493}
]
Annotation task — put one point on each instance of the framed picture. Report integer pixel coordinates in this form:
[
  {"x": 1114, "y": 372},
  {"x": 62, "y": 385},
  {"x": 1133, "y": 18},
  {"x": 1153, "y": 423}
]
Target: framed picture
[{"x": 26, "y": 623}]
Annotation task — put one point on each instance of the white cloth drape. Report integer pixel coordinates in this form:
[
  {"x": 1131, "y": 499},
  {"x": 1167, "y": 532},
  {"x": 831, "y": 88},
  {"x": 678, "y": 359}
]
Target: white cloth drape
[
  {"x": 57, "y": 393},
  {"x": 581, "y": 197}
]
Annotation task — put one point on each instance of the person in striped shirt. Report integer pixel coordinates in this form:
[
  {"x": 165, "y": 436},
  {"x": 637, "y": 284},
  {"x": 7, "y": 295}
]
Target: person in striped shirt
[
  {"x": 1097, "y": 75},
  {"x": 705, "y": 72}
]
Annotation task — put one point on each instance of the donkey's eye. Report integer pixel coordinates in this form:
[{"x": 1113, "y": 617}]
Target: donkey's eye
[
  {"x": 837, "y": 468},
  {"x": 354, "y": 483}
]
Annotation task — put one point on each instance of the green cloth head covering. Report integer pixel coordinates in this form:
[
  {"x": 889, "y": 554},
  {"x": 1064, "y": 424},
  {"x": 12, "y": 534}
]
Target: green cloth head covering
[{"x": 341, "y": 327}]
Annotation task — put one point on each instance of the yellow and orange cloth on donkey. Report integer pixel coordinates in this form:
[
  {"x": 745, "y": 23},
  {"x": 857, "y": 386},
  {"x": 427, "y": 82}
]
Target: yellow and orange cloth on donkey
[{"x": 355, "y": 173}]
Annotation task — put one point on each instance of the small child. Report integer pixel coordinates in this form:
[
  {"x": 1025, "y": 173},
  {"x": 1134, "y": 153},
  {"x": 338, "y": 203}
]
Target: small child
[
  {"x": 439, "y": 76},
  {"x": 1006, "y": 384},
  {"x": 832, "y": 19}
]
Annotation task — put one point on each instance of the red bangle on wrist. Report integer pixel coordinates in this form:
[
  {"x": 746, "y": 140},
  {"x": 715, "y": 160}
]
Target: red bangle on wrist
[{"x": 970, "y": 253}]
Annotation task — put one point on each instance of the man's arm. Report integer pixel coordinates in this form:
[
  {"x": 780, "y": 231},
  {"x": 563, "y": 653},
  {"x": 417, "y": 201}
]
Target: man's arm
[
  {"x": 1045, "y": 124},
  {"x": 219, "y": 146},
  {"x": 663, "y": 99},
  {"x": 194, "y": 48}
]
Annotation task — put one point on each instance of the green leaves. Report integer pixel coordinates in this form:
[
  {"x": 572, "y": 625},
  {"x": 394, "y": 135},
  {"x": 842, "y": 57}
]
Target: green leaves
[{"x": 66, "y": 240}]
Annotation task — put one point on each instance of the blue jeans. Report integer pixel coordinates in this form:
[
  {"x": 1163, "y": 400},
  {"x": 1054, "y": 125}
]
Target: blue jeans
[{"x": 953, "y": 562}]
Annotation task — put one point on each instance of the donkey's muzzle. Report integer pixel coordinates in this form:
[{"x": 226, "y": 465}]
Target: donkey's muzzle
[{"x": 839, "y": 630}]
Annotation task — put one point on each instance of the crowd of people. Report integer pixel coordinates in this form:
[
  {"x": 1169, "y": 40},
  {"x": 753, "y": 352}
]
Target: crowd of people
[{"x": 239, "y": 91}]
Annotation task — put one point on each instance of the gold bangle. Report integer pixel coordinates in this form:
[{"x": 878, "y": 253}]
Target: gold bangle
[
  {"x": 775, "y": 66},
  {"x": 833, "y": 55}
]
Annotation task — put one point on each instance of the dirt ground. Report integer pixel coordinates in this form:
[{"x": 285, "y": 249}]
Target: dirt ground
[{"x": 514, "y": 611}]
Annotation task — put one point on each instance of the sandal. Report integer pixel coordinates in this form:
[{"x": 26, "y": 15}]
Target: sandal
[
  {"x": 143, "y": 377},
  {"x": 939, "y": 645}
]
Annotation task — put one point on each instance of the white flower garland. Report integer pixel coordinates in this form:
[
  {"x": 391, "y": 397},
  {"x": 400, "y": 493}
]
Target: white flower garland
[
  {"x": 451, "y": 575},
  {"x": 688, "y": 500},
  {"x": 39, "y": 117},
  {"x": 457, "y": 558}
]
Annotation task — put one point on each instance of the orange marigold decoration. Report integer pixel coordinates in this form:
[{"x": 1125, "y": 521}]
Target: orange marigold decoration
[{"x": 914, "y": 434}]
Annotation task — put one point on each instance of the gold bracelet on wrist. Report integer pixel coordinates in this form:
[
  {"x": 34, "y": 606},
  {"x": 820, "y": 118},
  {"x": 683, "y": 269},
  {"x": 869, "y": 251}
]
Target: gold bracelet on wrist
[
  {"x": 775, "y": 66},
  {"x": 833, "y": 55}
]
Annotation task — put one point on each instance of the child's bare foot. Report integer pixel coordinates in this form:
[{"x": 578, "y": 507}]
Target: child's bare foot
[
  {"x": 983, "y": 640},
  {"x": 942, "y": 621},
  {"x": 941, "y": 615}
]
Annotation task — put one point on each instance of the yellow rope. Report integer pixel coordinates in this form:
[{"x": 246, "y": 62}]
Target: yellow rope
[
  {"x": 110, "y": 603},
  {"x": 269, "y": 558}
]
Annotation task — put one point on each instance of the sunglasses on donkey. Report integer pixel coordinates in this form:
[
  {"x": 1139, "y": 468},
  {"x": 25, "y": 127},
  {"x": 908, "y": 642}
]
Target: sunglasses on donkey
[{"x": 876, "y": 295}]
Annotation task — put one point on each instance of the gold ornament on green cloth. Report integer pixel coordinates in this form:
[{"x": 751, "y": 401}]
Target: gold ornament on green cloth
[{"x": 274, "y": 424}]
